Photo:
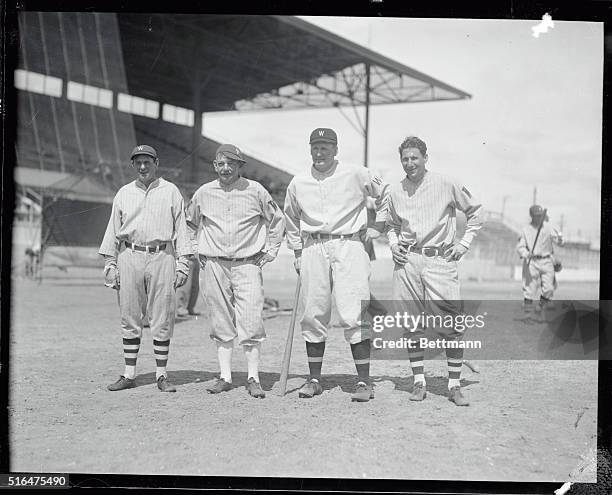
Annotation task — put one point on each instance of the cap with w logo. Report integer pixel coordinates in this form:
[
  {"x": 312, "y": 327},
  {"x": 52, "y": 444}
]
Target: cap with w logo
[
  {"x": 323, "y": 134},
  {"x": 144, "y": 149}
]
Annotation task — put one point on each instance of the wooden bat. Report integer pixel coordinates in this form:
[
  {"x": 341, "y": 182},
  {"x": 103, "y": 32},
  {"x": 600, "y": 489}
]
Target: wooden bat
[
  {"x": 471, "y": 366},
  {"x": 289, "y": 344}
]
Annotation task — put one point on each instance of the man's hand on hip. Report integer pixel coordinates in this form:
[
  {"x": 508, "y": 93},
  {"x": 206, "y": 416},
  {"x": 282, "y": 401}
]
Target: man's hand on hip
[
  {"x": 263, "y": 259},
  {"x": 456, "y": 252},
  {"x": 399, "y": 254}
]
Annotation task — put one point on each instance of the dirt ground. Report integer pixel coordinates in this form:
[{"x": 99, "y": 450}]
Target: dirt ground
[{"x": 528, "y": 420}]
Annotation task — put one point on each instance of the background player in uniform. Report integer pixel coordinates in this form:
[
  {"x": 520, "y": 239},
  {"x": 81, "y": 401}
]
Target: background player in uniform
[
  {"x": 241, "y": 230},
  {"x": 538, "y": 263},
  {"x": 422, "y": 236},
  {"x": 326, "y": 224},
  {"x": 147, "y": 221}
]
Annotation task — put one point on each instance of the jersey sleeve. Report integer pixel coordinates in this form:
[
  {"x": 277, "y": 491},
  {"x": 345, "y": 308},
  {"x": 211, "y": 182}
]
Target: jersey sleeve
[
  {"x": 110, "y": 244},
  {"x": 465, "y": 202},
  {"x": 275, "y": 221},
  {"x": 293, "y": 214}
]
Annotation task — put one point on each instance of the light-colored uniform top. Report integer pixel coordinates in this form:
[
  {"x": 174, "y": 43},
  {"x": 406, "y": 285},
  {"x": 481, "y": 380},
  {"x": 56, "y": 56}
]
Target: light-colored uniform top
[
  {"x": 333, "y": 202},
  {"x": 235, "y": 221},
  {"x": 544, "y": 246},
  {"x": 147, "y": 217},
  {"x": 424, "y": 213}
]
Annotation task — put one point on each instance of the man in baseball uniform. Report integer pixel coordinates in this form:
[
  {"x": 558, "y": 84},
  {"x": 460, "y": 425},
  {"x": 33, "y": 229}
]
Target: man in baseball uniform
[
  {"x": 422, "y": 232},
  {"x": 239, "y": 229},
  {"x": 326, "y": 218},
  {"x": 141, "y": 261},
  {"x": 538, "y": 263}
]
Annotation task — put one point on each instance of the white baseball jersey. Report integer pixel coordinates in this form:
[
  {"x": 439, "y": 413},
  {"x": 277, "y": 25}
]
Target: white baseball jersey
[
  {"x": 237, "y": 221},
  {"x": 333, "y": 202},
  {"x": 424, "y": 213},
  {"x": 147, "y": 217},
  {"x": 544, "y": 247}
]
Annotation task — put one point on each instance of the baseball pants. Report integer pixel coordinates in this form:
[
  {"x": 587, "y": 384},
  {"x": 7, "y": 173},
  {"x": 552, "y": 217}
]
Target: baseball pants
[
  {"x": 147, "y": 287},
  {"x": 341, "y": 266},
  {"x": 428, "y": 285},
  {"x": 539, "y": 275},
  {"x": 234, "y": 297}
]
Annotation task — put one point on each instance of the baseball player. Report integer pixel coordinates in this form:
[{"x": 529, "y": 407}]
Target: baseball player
[
  {"x": 326, "y": 218},
  {"x": 240, "y": 230},
  {"x": 422, "y": 236},
  {"x": 147, "y": 221},
  {"x": 538, "y": 266}
]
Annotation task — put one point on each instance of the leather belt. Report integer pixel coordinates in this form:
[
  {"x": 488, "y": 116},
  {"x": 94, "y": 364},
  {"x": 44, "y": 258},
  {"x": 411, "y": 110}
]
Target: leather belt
[
  {"x": 430, "y": 252},
  {"x": 327, "y": 237},
  {"x": 223, "y": 258},
  {"x": 540, "y": 256},
  {"x": 148, "y": 249}
]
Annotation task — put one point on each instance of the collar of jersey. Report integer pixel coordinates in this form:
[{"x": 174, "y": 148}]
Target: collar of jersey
[
  {"x": 233, "y": 185},
  {"x": 321, "y": 175},
  {"x": 153, "y": 185}
]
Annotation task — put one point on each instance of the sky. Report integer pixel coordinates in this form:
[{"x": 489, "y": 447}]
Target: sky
[{"x": 534, "y": 119}]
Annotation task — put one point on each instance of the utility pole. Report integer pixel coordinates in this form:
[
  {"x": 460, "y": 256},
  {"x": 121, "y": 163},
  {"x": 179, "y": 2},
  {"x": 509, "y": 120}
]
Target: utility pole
[{"x": 535, "y": 195}]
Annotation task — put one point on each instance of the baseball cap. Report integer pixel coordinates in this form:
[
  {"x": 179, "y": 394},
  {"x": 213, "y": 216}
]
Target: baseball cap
[
  {"x": 230, "y": 151},
  {"x": 323, "y": 134},
  {"x": 144, "y": 149},
  {"x": 536, "y": 210}
]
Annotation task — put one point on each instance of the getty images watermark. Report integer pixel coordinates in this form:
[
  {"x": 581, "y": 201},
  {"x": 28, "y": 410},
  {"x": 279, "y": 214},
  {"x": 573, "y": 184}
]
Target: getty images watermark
[
  {"x": 450, "y": 327},
  {"x": 491, "y": 329}
]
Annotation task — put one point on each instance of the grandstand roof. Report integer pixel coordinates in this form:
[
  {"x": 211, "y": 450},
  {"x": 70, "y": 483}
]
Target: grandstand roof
[
  {"x": 79, "y": 72},
  {"x": 243, "y": 62},
  {"x": 65, "y": 185}
]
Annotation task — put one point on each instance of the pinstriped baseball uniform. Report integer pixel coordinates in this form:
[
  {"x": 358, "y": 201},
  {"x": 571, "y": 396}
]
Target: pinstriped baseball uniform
[
  {"x": 147, "y": 217},
  {"x": 424, "y": 214},
  {"x": 333, "y": 202},
  {"x": 236, "y": 221},
  {"x": 540, "y": 272}
]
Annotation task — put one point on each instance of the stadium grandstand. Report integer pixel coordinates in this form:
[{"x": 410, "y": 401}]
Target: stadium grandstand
[{"x": 92, "y": 85}]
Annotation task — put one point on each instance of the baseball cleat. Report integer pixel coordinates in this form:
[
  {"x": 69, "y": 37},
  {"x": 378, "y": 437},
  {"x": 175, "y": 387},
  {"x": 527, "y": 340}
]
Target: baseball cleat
[
  {"x": 455, "y": 395},
  {"x": 220, "y": 386},
  {"x": 182, "y": 313},
  {"x": 419, "y": 392},
  {"x": 311, "y": 388},
  {"x": 164, "y": 385},
  {"x": 122, "y": 384},
  {"x": 363, "y": 392},
  {"x": 254, "y": 389}
]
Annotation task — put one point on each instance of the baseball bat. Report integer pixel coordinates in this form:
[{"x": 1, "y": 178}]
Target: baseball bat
[
  {"x": 538, "y": 233},
  {"x": 289, "y": 344},
  {"x": 471, "y": 366}
]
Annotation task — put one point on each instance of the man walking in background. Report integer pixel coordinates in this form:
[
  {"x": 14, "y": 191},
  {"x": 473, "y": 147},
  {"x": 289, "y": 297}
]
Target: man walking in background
[{"x": 536, "y": 248}]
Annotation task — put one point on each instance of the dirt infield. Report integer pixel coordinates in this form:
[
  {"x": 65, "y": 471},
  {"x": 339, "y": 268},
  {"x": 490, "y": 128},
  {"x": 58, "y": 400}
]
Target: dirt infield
[{"x": 528, "y": 420}]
